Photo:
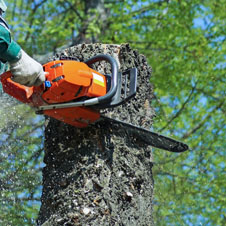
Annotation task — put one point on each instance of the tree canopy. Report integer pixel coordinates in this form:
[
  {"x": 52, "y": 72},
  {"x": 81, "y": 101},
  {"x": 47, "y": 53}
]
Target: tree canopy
[{"x": 184, "y": 42}]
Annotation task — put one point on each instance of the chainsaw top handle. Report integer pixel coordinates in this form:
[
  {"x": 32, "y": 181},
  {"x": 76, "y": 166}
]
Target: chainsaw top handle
[{"x": 114, "y": 70}]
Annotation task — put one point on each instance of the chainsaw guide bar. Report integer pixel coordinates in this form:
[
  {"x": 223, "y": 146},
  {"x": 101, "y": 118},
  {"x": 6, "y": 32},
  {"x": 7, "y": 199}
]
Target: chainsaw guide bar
[{"x": 146, "y": 136}]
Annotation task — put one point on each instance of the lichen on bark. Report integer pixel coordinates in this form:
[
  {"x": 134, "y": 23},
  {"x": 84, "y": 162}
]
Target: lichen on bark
[{"x": 100, "y": 175}]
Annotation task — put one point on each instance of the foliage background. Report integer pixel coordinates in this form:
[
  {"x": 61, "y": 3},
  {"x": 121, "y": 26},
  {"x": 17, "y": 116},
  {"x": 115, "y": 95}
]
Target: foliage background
[{"x": 184, "y": 42}]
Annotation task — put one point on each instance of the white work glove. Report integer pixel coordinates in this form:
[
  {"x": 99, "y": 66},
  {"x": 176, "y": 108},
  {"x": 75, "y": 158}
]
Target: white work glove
[{"x": 27, "y": 71}]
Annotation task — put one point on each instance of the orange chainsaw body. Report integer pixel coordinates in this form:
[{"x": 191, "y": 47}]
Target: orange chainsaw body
[{"x": 66, "y": 81}]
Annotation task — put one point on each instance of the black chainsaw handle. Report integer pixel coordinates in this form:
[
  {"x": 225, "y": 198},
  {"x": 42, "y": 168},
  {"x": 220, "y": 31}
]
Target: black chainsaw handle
[{"x": 114, "y": 79}]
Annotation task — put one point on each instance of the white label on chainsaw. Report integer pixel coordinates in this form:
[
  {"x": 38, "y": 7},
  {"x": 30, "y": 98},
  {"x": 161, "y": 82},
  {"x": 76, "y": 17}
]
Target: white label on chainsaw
[{"x": 98, "y": 79}]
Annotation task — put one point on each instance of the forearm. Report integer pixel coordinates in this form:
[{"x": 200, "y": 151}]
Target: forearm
[
  {"x": 24, "y": 69},
  {"x": 10, "y": 53},
  {"x": 9, "y": 50}
]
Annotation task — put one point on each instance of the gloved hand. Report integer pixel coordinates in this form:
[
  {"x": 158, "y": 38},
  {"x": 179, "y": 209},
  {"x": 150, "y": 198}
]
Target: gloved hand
[{"x": 27, "y": 71}]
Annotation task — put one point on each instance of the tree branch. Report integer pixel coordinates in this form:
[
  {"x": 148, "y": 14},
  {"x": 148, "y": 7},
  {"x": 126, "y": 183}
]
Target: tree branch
[
  {"x": 180, "y": 110},
  {"x": 209, "y": 115}
]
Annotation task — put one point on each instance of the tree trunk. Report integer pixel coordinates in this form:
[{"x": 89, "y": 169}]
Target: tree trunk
[{"x": 100, "y": 175}]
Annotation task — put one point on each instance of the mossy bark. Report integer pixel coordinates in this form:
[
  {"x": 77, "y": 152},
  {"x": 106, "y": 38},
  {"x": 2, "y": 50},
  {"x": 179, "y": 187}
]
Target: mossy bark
[{"x": 100, "y": 175}]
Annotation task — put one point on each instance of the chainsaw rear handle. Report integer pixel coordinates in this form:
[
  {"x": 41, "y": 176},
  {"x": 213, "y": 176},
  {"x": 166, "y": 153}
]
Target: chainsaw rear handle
[
  {"x": 5, "y": 76},
  {"x": 16, "y": 90},
  {"x": 8, "y": 74},
  {"x": 114, "y": 70}
]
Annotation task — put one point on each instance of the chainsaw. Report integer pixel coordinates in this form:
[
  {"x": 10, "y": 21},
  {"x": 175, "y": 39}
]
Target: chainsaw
[{"x": 75, "y": 94}]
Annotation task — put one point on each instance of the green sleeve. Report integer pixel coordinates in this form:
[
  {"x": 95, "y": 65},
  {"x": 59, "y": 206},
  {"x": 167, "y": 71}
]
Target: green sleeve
[{"x": 9, "y": 50}]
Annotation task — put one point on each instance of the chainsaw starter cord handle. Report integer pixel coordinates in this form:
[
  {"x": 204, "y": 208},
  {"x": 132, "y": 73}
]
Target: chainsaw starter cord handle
[{"x": 114, "y": 79}]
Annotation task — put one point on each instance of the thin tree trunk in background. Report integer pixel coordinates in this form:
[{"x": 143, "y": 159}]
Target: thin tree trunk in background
[{"x": 100, "y": 175}]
